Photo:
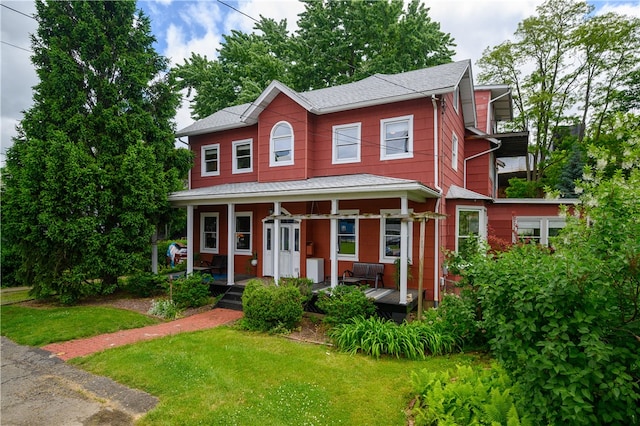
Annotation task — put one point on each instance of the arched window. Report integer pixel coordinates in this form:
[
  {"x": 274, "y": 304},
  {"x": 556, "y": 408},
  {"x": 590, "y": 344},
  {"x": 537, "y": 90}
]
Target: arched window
[{"x": 281, "y": 147}]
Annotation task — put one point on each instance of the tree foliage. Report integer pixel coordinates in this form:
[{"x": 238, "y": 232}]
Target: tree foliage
[
  {"x": 87, "y": 179},
  {"x": 565, "y": 323},
  {"x": 579, "y": 68},
  {"x": 338, "y": 41}
]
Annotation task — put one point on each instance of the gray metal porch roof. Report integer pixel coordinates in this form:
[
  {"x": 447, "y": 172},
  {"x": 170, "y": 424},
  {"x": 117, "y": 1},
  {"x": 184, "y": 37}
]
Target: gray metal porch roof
[{"x": 357, "y": 186}]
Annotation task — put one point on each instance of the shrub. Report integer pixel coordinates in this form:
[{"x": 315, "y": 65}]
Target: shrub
[
  {"x": 271, "y": 308},
  {"x": 305, "y": 286},
  {"x": 342, "y": 303},
  {"x": 189, "y": 292},
  {"x": 145, "y": 284},
  {"x": 164, "y": 308},
  {"x": 457, "y": 316},
  {"x": 470, "y": 396},
  {"x": 376, "y": 336}
]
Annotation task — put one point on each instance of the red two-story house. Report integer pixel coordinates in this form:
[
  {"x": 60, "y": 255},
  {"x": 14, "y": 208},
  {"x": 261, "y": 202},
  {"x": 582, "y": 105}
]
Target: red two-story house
[{"x": 390, "y": 167}]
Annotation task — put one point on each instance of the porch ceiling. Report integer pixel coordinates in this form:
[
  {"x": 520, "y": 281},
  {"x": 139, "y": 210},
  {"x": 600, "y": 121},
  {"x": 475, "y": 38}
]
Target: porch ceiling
[{"x": 358, "y": 186}]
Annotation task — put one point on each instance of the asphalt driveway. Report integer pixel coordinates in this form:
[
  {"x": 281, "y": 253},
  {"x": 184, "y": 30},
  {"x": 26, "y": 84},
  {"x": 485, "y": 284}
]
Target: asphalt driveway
[{"x": 40, "y": 389}]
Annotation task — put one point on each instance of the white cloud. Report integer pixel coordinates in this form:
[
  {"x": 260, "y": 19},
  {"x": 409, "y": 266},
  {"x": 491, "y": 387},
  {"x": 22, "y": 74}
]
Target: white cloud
[
  {"x": 275, "y": 9},
  {"x": 17, "y": 74}
]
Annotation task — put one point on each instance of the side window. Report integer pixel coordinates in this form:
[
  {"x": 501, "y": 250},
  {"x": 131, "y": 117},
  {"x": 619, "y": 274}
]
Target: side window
[
  {"x": 210, "y": 156},
  {"x": 348, "y": 236},
  {"x": 209, "y": 229},
  {"x": 390, "y": 237},
  {"x": 243, "y": 156},
  {"x": 346, "y": 143},
  {"x": 281, "y": 145},
  {"x": 470, "y": 226},
  {"x": 243, "y": 232},
  {"x": 454, "y": 151},
  {"x": 396, "y": 138},
  {"x": 538, "y": 230}
]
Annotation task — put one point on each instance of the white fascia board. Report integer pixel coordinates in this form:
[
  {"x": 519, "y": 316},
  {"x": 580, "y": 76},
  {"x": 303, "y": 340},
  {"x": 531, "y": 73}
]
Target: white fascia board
[
  {"x": 268, "y": 95},
  {"x": 550, "y": 201}
]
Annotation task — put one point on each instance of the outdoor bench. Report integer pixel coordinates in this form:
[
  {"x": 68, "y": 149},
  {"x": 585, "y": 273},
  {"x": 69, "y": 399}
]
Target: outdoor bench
[{"x": 364, "y": 272}]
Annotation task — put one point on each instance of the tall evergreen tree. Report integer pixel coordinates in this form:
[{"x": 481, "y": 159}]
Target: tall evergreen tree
[{"x": 87, "y": 179}]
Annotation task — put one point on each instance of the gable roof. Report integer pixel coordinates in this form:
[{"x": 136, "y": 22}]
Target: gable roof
[{"x": 377, "y": 89}]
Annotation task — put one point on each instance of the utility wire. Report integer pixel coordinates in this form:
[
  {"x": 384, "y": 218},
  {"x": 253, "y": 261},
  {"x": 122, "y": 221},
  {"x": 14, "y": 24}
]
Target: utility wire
[
  {"x": 17, "y": 11},
  {"x": 17, "y": 47}
]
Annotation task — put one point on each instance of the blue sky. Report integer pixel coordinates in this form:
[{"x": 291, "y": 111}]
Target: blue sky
[{"x": 183, "y": 27}]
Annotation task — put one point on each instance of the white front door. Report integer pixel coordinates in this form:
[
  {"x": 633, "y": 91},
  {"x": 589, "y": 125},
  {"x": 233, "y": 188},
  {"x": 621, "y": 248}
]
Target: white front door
[{"x": 289, "y": 253}]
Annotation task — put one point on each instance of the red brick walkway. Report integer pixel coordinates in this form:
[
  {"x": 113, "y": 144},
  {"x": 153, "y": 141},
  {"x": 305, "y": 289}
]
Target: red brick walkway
[{"x": 82, "y": 347}]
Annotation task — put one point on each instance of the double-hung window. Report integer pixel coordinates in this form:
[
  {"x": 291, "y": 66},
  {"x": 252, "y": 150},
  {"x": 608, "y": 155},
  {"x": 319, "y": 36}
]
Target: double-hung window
[
  {"x": 454, "y": 151},
  {"x": 346, "y": 143},
  {"x": 243, "y": 156},
  {"x": 348, "y": 236},
  {"x": 390, "y": 230},
  {"x": 470, "y": 226},
  {"x": 281, "y": 145},
  {"x": 243, "y": 232},
  {"x": 210, "y": 160},
  {"x": 396, "y": 138},
  {"x": 538, "y": 230},
  {"x": 209, "y": 231}
]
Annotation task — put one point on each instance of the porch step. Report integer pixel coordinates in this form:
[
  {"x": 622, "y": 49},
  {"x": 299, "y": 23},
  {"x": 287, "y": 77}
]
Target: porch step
[{"x": 232, "y": 298}]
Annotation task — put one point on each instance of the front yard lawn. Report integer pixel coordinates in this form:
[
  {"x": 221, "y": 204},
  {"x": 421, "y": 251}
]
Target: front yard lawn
[
  {"x": 225, "y": 376},
  {"x": 41, "y": 326}
]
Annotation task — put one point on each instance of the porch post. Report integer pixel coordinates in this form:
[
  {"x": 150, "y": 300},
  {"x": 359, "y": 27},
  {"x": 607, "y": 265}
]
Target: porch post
[
  {"x": 231, "y": 243},
  {"x": 333, "y": 238},
  {"x": 276, "y": 242},
  {"x": 404, "y": 254},
  {"x": 190, "y": 241}
]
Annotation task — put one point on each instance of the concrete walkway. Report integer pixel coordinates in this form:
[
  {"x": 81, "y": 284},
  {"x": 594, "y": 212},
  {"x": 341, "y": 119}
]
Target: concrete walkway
[{"x": 83, "y": 347}]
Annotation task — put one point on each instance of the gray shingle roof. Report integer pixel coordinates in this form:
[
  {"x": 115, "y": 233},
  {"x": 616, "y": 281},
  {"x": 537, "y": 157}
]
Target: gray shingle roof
[{"x": 373, "y": 90}]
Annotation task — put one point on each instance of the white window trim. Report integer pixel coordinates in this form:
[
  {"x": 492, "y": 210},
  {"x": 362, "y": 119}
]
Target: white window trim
[
  {"x": 203, "y": 249},
  {"x": 203, "y": 163},
  {"x": 353, "y": 257},
  {"x": 455, "y": 146},
  {"x": 456, "y": 99},
  {"x": 383, "y": 123},
  {"x": 482, "y": 218},
  {"x": 235, "y": 231},
  {"x": 543, "y": 221},
  {"x": 356, "y": 159},
  {"x": 272, "y": 157},
  {"x": 235, "y": 144},
  {"x": 391, "y": 259}
]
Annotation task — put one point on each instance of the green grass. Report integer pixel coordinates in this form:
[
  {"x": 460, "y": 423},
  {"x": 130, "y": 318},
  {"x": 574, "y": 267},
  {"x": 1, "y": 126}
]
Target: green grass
[
  {"x": 9, "y": 295},
  {"x": 224, "y": 376},
  {"x": 41, "y": 326}
]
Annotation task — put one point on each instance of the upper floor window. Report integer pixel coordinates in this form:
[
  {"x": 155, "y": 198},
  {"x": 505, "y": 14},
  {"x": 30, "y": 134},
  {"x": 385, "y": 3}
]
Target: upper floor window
[
  {"x": 346, "y": 143},
  {"x": 209, "y": 229},
  {"x": 281, "y": 147},
  {"x": 210, "y": 164},
  {"x": 470, "y": 226},
  {"x": 396, "y": 138},
  {"x": 456, "y": 98},
  {"x": 454, "y": 151},
  {"x": 538, "y": 230},
  {"x": 243, "y": 232},
  {"x": 348, "y": 236},
  {"x": 243, "y": 156}
]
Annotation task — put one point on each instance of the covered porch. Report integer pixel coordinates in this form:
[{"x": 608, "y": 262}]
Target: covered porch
[{"x": 286, "y": 224}]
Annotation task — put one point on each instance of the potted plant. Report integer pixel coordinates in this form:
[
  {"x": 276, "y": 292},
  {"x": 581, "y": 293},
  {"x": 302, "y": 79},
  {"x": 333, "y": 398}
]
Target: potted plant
[{"x": 254, "y": 259}]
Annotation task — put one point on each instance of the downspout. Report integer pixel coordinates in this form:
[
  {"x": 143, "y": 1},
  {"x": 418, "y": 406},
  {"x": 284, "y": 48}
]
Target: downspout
[
  {"x": 489, "y": 130},
  {"x": 436, "y": 234},
  {"x": 498, "y": 145}
]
